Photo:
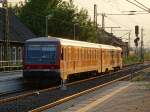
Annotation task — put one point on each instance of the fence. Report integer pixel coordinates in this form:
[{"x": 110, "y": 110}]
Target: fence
[{"x": 10, "y": 65}]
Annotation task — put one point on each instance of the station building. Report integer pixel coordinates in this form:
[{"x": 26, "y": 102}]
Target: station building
[{"x": 18, "y": 33}]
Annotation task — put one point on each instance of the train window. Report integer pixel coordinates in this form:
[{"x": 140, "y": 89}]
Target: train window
[
  {"x": 62, "y": 54},
  {"x": 95, "y": 54},
  {"x": 66, "y": 53},
  {"x": 88, "y": 54},
  {"x": 69, "y": 54},
  {"x": 83, "y": 54},
  {"x": 75, "y": 53},
  {"x": 78, "y": 53},
  {"x": 91, "y": 54}
]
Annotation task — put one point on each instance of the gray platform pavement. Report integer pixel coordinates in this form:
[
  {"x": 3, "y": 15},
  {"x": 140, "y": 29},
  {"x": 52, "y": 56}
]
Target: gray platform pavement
[
  {"x": 119, "y": 97},
  {"x": 10, "y": 75}
]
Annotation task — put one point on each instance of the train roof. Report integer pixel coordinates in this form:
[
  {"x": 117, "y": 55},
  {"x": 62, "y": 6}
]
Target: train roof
[{"x": 72, "y": 42}]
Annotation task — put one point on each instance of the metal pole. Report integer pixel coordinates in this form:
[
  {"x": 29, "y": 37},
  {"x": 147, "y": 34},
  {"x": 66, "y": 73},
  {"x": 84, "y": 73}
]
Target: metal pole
[
  {"x": 95, "y": 15},
  {"x": 129, "y": 43},
  {"x": 103, "y": 25},
  {"x": 46, "y": 28},
  {"x": 103, "y": 21},
  {"x": 129, "y": 39},
  {"x": 74, "y": 31},
  {"x": 142, "y": 55},
  {"x": 6, "y": 43}
]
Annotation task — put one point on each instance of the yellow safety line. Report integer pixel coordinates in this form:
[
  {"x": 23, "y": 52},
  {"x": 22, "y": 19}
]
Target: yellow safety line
[
  {"x": 50, "y": 105},
  {"x": 101, "y": 100},
  {"x": 74, "y": 96}
]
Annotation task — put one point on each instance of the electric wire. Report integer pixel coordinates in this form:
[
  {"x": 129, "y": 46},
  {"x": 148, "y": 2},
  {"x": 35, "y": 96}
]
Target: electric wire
[
  {"x": 137, "y": 6},
  {"x": 142, "y": 4}
]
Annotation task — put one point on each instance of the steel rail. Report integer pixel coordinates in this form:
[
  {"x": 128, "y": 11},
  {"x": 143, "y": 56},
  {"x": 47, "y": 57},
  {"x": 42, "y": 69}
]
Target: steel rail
[
  {"x": 55, "y": 87},
  {"x": 45, "y": 107},
  {"x": 10, "y": 99}
]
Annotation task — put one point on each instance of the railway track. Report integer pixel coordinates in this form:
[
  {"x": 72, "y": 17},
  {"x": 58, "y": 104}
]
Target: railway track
[
  {"x": 17, "y": 86},
  {"x": 52, "y": 96},
  {"x": 13, "y": 87},
  {"x": 10, "y": 85}
]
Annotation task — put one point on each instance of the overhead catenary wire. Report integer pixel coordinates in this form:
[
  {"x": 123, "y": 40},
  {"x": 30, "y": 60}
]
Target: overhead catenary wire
[
  {"x": 142, "y": 5},
  {"x": 117, "y": 23},
  {"x": 138, "y": 6}
]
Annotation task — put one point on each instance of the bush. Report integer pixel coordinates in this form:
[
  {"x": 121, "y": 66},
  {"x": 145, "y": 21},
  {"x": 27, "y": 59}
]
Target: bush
[{"x": 131, "y": 59}]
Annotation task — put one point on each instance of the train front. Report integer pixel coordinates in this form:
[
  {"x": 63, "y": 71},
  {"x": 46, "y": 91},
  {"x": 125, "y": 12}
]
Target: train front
[{"x": 41, "y": 58}]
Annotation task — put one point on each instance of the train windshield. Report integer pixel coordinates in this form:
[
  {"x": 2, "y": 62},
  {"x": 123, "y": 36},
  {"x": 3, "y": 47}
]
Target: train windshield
[{"x": 41, "y": 54}]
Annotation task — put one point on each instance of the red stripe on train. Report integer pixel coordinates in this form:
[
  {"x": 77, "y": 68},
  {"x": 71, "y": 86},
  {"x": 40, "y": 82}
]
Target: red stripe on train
[{"x": 41, "y": 66}]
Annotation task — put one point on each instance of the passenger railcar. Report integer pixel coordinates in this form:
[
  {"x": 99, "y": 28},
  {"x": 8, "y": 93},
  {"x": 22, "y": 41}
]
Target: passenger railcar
[{"x": 61, "y": 58}]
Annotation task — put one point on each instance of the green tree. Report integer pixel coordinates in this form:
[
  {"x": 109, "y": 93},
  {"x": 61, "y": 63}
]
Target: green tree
[
  {"x": 34, "y": 12},
  {"x": 65, "y": 18}
]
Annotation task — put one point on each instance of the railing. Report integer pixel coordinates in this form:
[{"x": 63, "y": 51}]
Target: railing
[{"x": 10, "y": 65}]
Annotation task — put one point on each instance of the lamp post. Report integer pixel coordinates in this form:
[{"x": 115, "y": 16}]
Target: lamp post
[
  {"x": 46, "y": 24},
  {"x": 6, "y": 43},
  {"x": 74, "y": 30}
]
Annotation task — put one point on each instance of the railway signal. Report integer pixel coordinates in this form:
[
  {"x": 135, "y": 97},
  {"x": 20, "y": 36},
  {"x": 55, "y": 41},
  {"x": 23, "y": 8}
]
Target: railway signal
[
  {"x": 136, "y": 34},
  {"x": 136, "y": 30},
  {"x": 136, "y": 41}
]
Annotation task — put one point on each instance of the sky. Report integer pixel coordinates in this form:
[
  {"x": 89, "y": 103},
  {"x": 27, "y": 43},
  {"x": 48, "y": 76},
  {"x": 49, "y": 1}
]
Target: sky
[{"x": 125, "y": 22}]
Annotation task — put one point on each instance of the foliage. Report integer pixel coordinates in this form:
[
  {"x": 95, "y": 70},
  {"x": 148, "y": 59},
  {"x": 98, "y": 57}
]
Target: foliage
[
  {"x": 131, "y": 59},
  {"x": 34, "y": 12},
  {"x": 66, "y": 20},
  {"x": 147, "y": 56}
]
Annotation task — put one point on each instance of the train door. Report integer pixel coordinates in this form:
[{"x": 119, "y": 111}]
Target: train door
[
  {"x": 112, "y": 58},
  {"x": 103, "y": 60},
  {"x": 100, "y": 60}
]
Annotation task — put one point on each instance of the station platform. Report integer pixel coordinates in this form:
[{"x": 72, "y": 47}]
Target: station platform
[{"x": 121, "y": 96}]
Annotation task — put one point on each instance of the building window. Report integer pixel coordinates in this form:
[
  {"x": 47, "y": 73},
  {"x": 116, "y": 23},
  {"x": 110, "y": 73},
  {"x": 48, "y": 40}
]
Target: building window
[
  {"x": 19, "y": 54},
  {"x": 13, "y": 55}
]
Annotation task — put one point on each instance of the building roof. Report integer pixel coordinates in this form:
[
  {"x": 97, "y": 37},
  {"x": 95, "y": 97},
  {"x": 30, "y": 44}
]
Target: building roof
[{"x": 18, "y": 32}]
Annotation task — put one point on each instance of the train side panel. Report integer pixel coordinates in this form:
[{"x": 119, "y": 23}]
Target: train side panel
[
  {"x": 107, "y": 60},
  {"x": 118, "y": 59},
  {"x": 79, "y": 59}
]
